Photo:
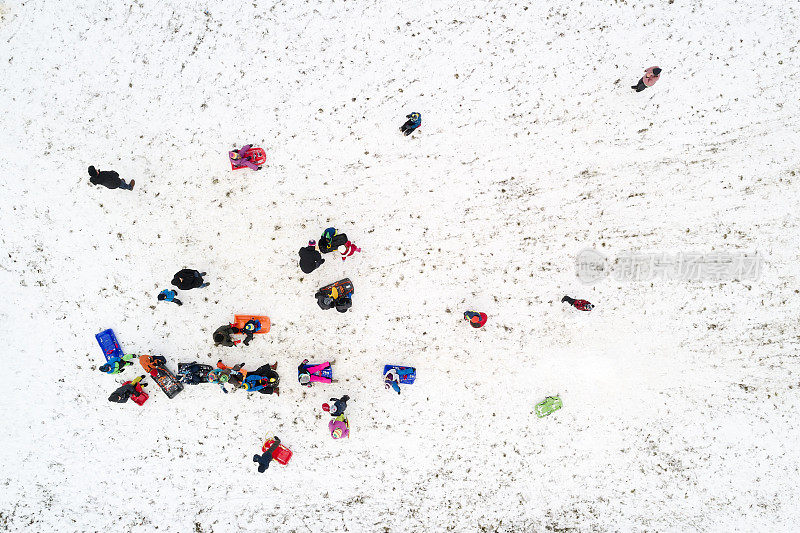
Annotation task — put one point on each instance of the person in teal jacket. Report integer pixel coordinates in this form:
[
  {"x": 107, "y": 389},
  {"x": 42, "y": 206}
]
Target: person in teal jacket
[{"x": 116, "y": 364}]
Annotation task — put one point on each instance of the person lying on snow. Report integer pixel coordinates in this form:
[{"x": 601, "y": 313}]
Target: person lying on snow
[
  {"x": 109, "y": 179},
  {"x": 414, "y": 121},
  {"x": 240, "y": 158},
  {"x": 115, "y": 365},
  {"x": 333, "y": 297},
  {"x": 264, "y": 459},
  {"x": 392, "y": 377},
  {"x": 307, "y": 375},
  {"x": 580, "y": 305},
  {"x": 339, "y": 406},
  {"x": 169, "y": 296},
  {"x": 264, "y": 380},
  {"x": 251, "y": 327},
  {"x": 192, "y": 373},
  {"x": 131, "y": 389},
  {"x": 187, "y": 279}
]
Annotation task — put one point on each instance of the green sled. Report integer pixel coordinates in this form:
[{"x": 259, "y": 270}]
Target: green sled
[{"x": 547, "y": 406}]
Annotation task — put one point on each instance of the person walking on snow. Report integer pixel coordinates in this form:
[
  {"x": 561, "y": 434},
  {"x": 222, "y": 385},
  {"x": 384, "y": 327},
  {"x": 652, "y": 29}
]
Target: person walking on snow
[
  {"x": 239, "y": 157},
  {"x": 310, "y": 258},
  {"x": 648, "y": 80},
  {"x": 222, "y": 336},
  {"x": 264, "y": 459},
  {"x": 414, "y": 121},
  {"x": 188, "y": 279},
  {"x": 109, "y": 179},
  {"x": 580, "y": 305},
  {"x": 339, "y": 406},
  {"x": 169, "y": 296},
  {"x": 115, "y": 365}
]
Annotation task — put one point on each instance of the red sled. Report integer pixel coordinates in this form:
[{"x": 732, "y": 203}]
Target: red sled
[
  {"x": 282, "y": 454},
  {"x": 255, "y": 155}
]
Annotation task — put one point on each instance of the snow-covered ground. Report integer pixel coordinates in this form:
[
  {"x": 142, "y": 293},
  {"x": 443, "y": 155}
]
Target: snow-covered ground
[{"x": 680, "y": 396}]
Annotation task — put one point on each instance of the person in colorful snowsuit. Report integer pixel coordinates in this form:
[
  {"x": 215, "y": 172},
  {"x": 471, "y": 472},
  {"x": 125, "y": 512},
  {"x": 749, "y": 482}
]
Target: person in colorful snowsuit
[
  {"x": 310, "y": 258},
  {"x": 264, "y": 380},
  {"x": 222, "y": 336},
  {"x": 130, "y": 389},
  {"x": 476, "y": 319},
  {"x": 339, "y": 427},
  {"x": 331, "y": 240},
  {"x": 306, "y": 375},
  {"x": 109, "y": 179},
  {"x": 339, "y": 406},
  {"x": 115, "y": 365},
  {"x": 414, "y": 121},
  {"x": 648, "y": 80},
  {"x": 348, "y": 249},
  {"x": 187, "y": 279},
  {"x": 334, "y": 297},
  {"x": 264, "y": 459},
  {"x": 168, "y": 295},
  {"x": 239, "y": 157},
  {"x": 192, "y": 373},
  {"x": 251, "y": 327},
  {"x": 580, "y": 305}
]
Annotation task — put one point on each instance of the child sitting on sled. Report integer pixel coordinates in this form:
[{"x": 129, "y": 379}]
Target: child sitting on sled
[{"x": 240, "y": 158}]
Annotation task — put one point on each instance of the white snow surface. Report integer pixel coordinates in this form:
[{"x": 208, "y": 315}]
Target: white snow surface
[{"x": 680, "y": 397}]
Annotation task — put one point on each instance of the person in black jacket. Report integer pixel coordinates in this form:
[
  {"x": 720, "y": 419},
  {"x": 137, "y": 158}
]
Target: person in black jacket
[
  {"x": 264, "y": 459},
  {"x": 310, "y": 258},
  {"x": 109, "y": 179},
  {"x": 331, "y": 239},
  {"x": 222, "y": 336},
  {"x": 187, "y": 279}
]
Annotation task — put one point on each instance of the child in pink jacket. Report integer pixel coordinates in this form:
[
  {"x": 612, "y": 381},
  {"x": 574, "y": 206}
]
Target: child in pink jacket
[
  {"x": 239, "y": 157},
  {"x": 648, "y": 80}
]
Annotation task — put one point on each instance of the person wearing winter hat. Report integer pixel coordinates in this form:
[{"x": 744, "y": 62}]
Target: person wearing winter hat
[
  {"x": 648, "y": 80},
  {"x": 264, "y": 459},
  {"x": 476, "y": 319},
  {"x": 240, "y": 158},
  {"x": 222, "y": 335},
  {"x": 414, "y": 121},
  {"x": 109, "y": 179},
  {"x": 339, "y": 406},
  {"x": 339, "y": 427},
  {"x": 187, "y": 279},
  {"x": 310, "y": 258},
  {"x": 115, "y": 365}
]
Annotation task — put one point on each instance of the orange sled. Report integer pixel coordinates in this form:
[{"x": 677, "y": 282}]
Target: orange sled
[{"x": 240, "y": 320}]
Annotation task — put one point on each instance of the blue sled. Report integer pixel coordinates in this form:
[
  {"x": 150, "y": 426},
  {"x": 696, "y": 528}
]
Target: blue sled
[
  {"x": 109, "y": 344},
  {"x": 408, "y": 378}
]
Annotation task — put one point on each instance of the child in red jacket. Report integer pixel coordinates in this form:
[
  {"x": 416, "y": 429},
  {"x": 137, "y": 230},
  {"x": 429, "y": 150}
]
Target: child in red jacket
[{"x": 580, "y": 305}]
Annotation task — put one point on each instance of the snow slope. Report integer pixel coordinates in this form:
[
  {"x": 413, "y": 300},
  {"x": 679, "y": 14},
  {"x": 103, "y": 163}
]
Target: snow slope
[{"x": 680, "y": 397}]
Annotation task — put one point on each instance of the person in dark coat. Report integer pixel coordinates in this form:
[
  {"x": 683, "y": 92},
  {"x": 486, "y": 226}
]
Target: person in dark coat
[
  {"x": 310, "y": 258},
  {"x": 414, "y": 121},
  {"x": 222, "y": 336},
  {"x": 264, "y": 459},
  {"x": 188, "y": 279},
  {"x": 109, "y": 179},
  {"x": 250, "y": 328},
  {"x": 331, "y": 239},
  {"x": 339, "y": 406},
  {"x": 580, "y": 305}
]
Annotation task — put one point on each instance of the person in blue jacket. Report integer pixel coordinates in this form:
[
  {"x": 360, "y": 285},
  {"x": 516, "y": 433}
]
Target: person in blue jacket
[
  {"x": 115, "y": 365},
  {"x": 250, "y": 328},
  {"x": 169, "y": 296},
  {"x": 414, "y": 121}
]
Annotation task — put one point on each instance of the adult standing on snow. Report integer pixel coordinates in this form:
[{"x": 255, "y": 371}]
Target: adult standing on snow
[
  {"x": 648, "y": 80},
  {"x": 580, "y": 305},
  {"x": 239, "y": 157},
  {"x": 414, "y": 121},
  {"x": 188, "y": 279},
  {"x": 310, "y": 258},
  {"x": 109, "y": 179}
]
